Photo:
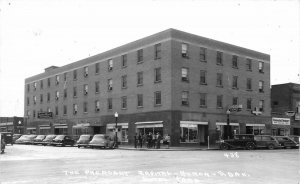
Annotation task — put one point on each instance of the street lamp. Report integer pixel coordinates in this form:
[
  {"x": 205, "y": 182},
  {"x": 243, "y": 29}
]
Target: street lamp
[
  {"x": 228, "y": 128},
  {"x": 116, "y": 129}
]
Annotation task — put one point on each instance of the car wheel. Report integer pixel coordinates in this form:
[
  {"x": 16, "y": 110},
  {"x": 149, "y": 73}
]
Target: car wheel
[
  {"x": 271, "y": 146},
  {"x": 78, "y": 146},
  {"x": 224, "y": 147},
  {"x": 250, "y": 145}
]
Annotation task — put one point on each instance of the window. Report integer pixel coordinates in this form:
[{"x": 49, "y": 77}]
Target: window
[
  {"x": 203, "y": 77},
  {"x": 185, "y": 98},
  {"x": 109, "y": 85},
  {"x": 189, "y": 133},
  {"x": 41, "y": 98},
  {"x": 74, "y": 92},
  {"x": 48, "y": 109},
  {"x": 65, "y": 110},
  {"x": 48, "y": 97},
  {"x": 49, "y": 82},
  {"x": 219, "y": 79},
  {"x": 28, "y": 87},
  {"x": 57, "y": 79},
  {"x": 261, "y": 86},
  {"x": 65, "y": 93},
  {"x": 85, "y": 107},
  {"x": 124, "y": 102},
  {"x": 157, "y": 48},
  {"x": 97, "y": 68},
  {"x": 41, "y": 84},
  {"x": 234, "y": 61},
  {"x": 277, "y": 103},
  {"x": 85, "y": 89},
  {"x": 261, "y": 67},
  {"x": 219, "y": 58},
  {"x": 75, "y": 75},
  {"x": 56, "y": 95},
  {"x": 124, "y": 60},
  {"x": 248, "y": 64},
  {"x": 75, "y": 109},
  {"x": 202, "y": 99},
  {"x": 34, "y": 100},
  {"x": 56, "y": 110},
  {"x": 184, "y": 50},
  {"x": 124, "y": 81},
  {"x": 140, "y": 78},
  {"x": 28, "y": 101},
  {"x": 140, "y": 55},
  {"x": 109, "y": 103},
  {"x": 140, "y": 100},
  {"x": 157, "y": 74},
  {"x": 235, "y": 101},
  {"x": 249, "y": 104},
  {"x": 261, "y": 105},
  {"x": 157, "y": 98},
  {"x": 202, "y": 54},
  {"x": 97, "y": 87},
  {"x": 33, "y": 113},
  {"x": 235, "y": 82},
  {"x": 220, "y": 101},
  {"x": 97, "y": 105},
  {"x": 185, "y": 74},
  {"x": 65, "y": 77},
  {"x": 34, "y": 86},
  {"x": 110, "y": 64},
  {"x": 249, "y": 84},
  {"x": 86, "y": 71}
]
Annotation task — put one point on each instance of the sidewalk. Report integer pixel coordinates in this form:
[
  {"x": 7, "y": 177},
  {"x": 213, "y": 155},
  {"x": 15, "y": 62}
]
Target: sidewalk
[{"x": 164, "y": 148}]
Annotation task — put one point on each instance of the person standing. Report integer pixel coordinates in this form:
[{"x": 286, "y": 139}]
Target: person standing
[
  {"x": 140, "y": 139},
  {"x": 149, "y": 140},
  {"x": 158, "y": 139},
  {"x": 154, "y": 140},
  {"x": 135, "y": 140},
  {"x": 167, "y": 140}
]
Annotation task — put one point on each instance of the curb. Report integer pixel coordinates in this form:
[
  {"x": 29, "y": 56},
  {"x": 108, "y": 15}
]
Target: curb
[{"x": 169, "y": 149}]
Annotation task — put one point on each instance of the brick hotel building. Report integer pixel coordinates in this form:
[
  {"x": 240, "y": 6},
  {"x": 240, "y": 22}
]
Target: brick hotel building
[{"x": 172, "y": 82}]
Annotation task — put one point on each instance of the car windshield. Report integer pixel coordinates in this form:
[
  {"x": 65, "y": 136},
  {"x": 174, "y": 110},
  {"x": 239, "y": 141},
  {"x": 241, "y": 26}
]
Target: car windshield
[
  {"x": 60, "y": 137},
  {"x": 98, "y": 137},
  {"x": 84, "y": 137},
  {"x": 40, "y": 137},
  {"x": 49, "y": 137}
]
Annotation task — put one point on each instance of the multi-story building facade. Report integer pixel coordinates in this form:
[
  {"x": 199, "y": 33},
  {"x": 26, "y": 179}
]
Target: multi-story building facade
[
  {"x": 172, "y": 82},
  {"x": 286, "y": 109}
]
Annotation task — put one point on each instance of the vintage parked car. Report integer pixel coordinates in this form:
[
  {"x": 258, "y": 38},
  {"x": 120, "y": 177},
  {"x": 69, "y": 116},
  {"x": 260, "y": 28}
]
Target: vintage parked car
[
  {"x": 63, "y": 140},
  {"x": 25, "y": 139},
  {"x": 38, "y": 139},
  {"x": 8, "y": 137},
  {"x": 295, "y": 138},
  {"x": 239, "y": 141},
  {"x": 84, "y": 140},
  {"x": 266, "y": 141},
  {"x": 15, "y": 137},
  {"x": 101, "y": 141},
  {"x": 48, "y": 140},
  {"x": 286, "y": 142}
]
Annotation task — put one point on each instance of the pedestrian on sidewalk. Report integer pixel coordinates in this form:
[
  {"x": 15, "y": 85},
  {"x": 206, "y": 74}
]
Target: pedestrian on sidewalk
[
  {"x": 154, "y": 140},
  {"x": 145, "y": 139},
  {"x": 167, "y": 140},
  {"x": 158, "y": 139},
  {"x": 140, "y": 139},
  {"x": 149, "y": 140},
  {"x": 135, "y": 140}
]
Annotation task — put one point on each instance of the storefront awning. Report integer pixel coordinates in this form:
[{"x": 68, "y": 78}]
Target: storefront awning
[
  {"x": 148, "y": 122},
  {"x": 60, "y": 126},
  {"x": 149, "y": 126},
  {"x": 113, "y": 125},
  {"x": 225, "y": 123},
  {"x": 6, "y": 124},
  {"x": 249, "y": 124},
  {"x": 30, "y": 128},
  {"x": 81, "y": 125}
]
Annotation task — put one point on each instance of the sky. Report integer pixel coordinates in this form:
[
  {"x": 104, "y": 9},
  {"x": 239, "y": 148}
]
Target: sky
[{"x": 36, "y": 34}]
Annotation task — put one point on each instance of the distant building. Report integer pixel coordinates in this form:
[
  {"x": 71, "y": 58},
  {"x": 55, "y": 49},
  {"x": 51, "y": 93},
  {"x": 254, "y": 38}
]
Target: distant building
[
  {"x": 172, "y": 82},
  {"x": 286, "y": 105},
  {"x": 12, "y": 124}
]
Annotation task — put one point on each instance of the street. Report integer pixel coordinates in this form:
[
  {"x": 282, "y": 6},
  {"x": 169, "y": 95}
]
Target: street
[{"x": 47, "y": 164}]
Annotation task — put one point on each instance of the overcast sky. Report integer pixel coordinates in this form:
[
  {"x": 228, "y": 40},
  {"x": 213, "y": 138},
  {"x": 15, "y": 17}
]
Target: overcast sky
[{"x": 35, "y": 34}]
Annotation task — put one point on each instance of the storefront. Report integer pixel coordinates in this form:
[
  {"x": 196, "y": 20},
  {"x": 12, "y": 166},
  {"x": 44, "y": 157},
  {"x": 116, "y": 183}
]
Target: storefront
[
  {"x": 256, "y": 129},
  {"x": 122, "y": 131},
  {"x": 31, "y": 130},
  {"x": 281, "y": 126},
  {"x": 60, "y": 129},
  {"x": 81, "y": 129},
  {"x": 193, "y": 131},
  {"x": 45, "y": 130},
  {"x": 7, "y": 127},
  {"x": 149, "y": 126},
  {"x": 220, "y": 127}
]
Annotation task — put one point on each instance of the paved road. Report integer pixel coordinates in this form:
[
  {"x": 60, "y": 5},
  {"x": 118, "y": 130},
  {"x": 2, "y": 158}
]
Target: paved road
[{"x": 39, "y": 164}]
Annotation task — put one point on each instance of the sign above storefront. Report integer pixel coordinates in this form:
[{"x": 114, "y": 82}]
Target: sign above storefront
[
  {"x": 281, "y": 121},
  {"x": 44, "y": 115},
  {"x": 297, "y": 116}
]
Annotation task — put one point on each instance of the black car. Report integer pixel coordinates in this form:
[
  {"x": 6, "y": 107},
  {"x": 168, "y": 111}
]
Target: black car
[
  {"x": 240, "y": 141},
  {"x": 63, "y": 140},
  {"x": 8, "y": 137},
  {"x": 38, "y": 139},
  {"x": 286, "y": 142},
  {"x": 84, "y": 140}
]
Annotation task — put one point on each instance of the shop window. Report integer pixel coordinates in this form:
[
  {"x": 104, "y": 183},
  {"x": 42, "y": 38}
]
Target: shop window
[
  {"x": 256, "y": 130},
  {"x": 189, "y": 134}
]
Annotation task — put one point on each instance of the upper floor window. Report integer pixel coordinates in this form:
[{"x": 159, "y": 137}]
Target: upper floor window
[
  {"x": 109, "y": 84},
  {"x": 249, "y": 84},
  {"x": 75, "y": 109},
  {"x": 261, "y": 105},
  {"x": 28, "y": 101},
  {"x": 97, "y": 105},
  {"x": 235, "y": 82},
  {"x": 74, "y": 91},
  {"x": 157, "y": 48},
  {"x": 219, "y": 58},
  {"x": 261, "y": 67},
  {"x": 85, "y": 107},
  {"x": 110, "y": 64},
  {"x": 75, "y": 75},
  {"x": 184, "y": 50},
  {"x": 220, "y": 101},
  {"x": 56, "y": 110},
  {"x": 248, "y": 64},
  {"x": 185, "y": 74},
  {"x": 34, "y": 86},
  {"x": 157, "y": 74},
  {"x": 219, "y": 79},
  {"x": 140, "y": 55},
  {"x": 41, "y": 84},
  {"x": 41, "y": 98},
  {"x": 124, "y": 81},
  {"x": 49, "y": 82},
  {"x": 65, "y": 110},
  {"x": 28, "y": 87},
  {"x": 202, "y": 99},
  {"x": 234, "y": 61},
  {"x": 109, "y": 104},
  {"x": 56, "y": 95},
  {"x": 140, "y": 78},
  {"x": 261, "y": 86},
  {"x": 185, "y": 98},
  {"x": 57, "y": 79},
  {"x": 157, "y": 98},
  {"x": 97, "y": 68},
  {"x": 85, "y": 89},
  {"x": 86, "y": 71},
  {"x": 203, "y": 54},
  {"x": 203, "y": 77},
  {"x": 124, "y": 60},
  {"x": 48, "y": 109},
  {"x": 249, "y": 104},
  {"x": 235, "y": 101},
  {"x": 140, "y": 100},
  {"x": 34, "y": 100},
  {"x": 65, "y": 77},
  {"x": 97, "y": 87},
  {"x": 48, "y": 97},
  {"x": 124, "y": 102},
  {"x": 65, "y": 93}
]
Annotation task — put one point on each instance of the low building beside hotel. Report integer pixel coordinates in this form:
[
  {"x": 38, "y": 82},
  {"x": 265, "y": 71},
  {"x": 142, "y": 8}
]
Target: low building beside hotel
[
  {"x": 12, "y": 124},
  {"x": 285, "y": 109},
  {"x": 172, "y": 82}
]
